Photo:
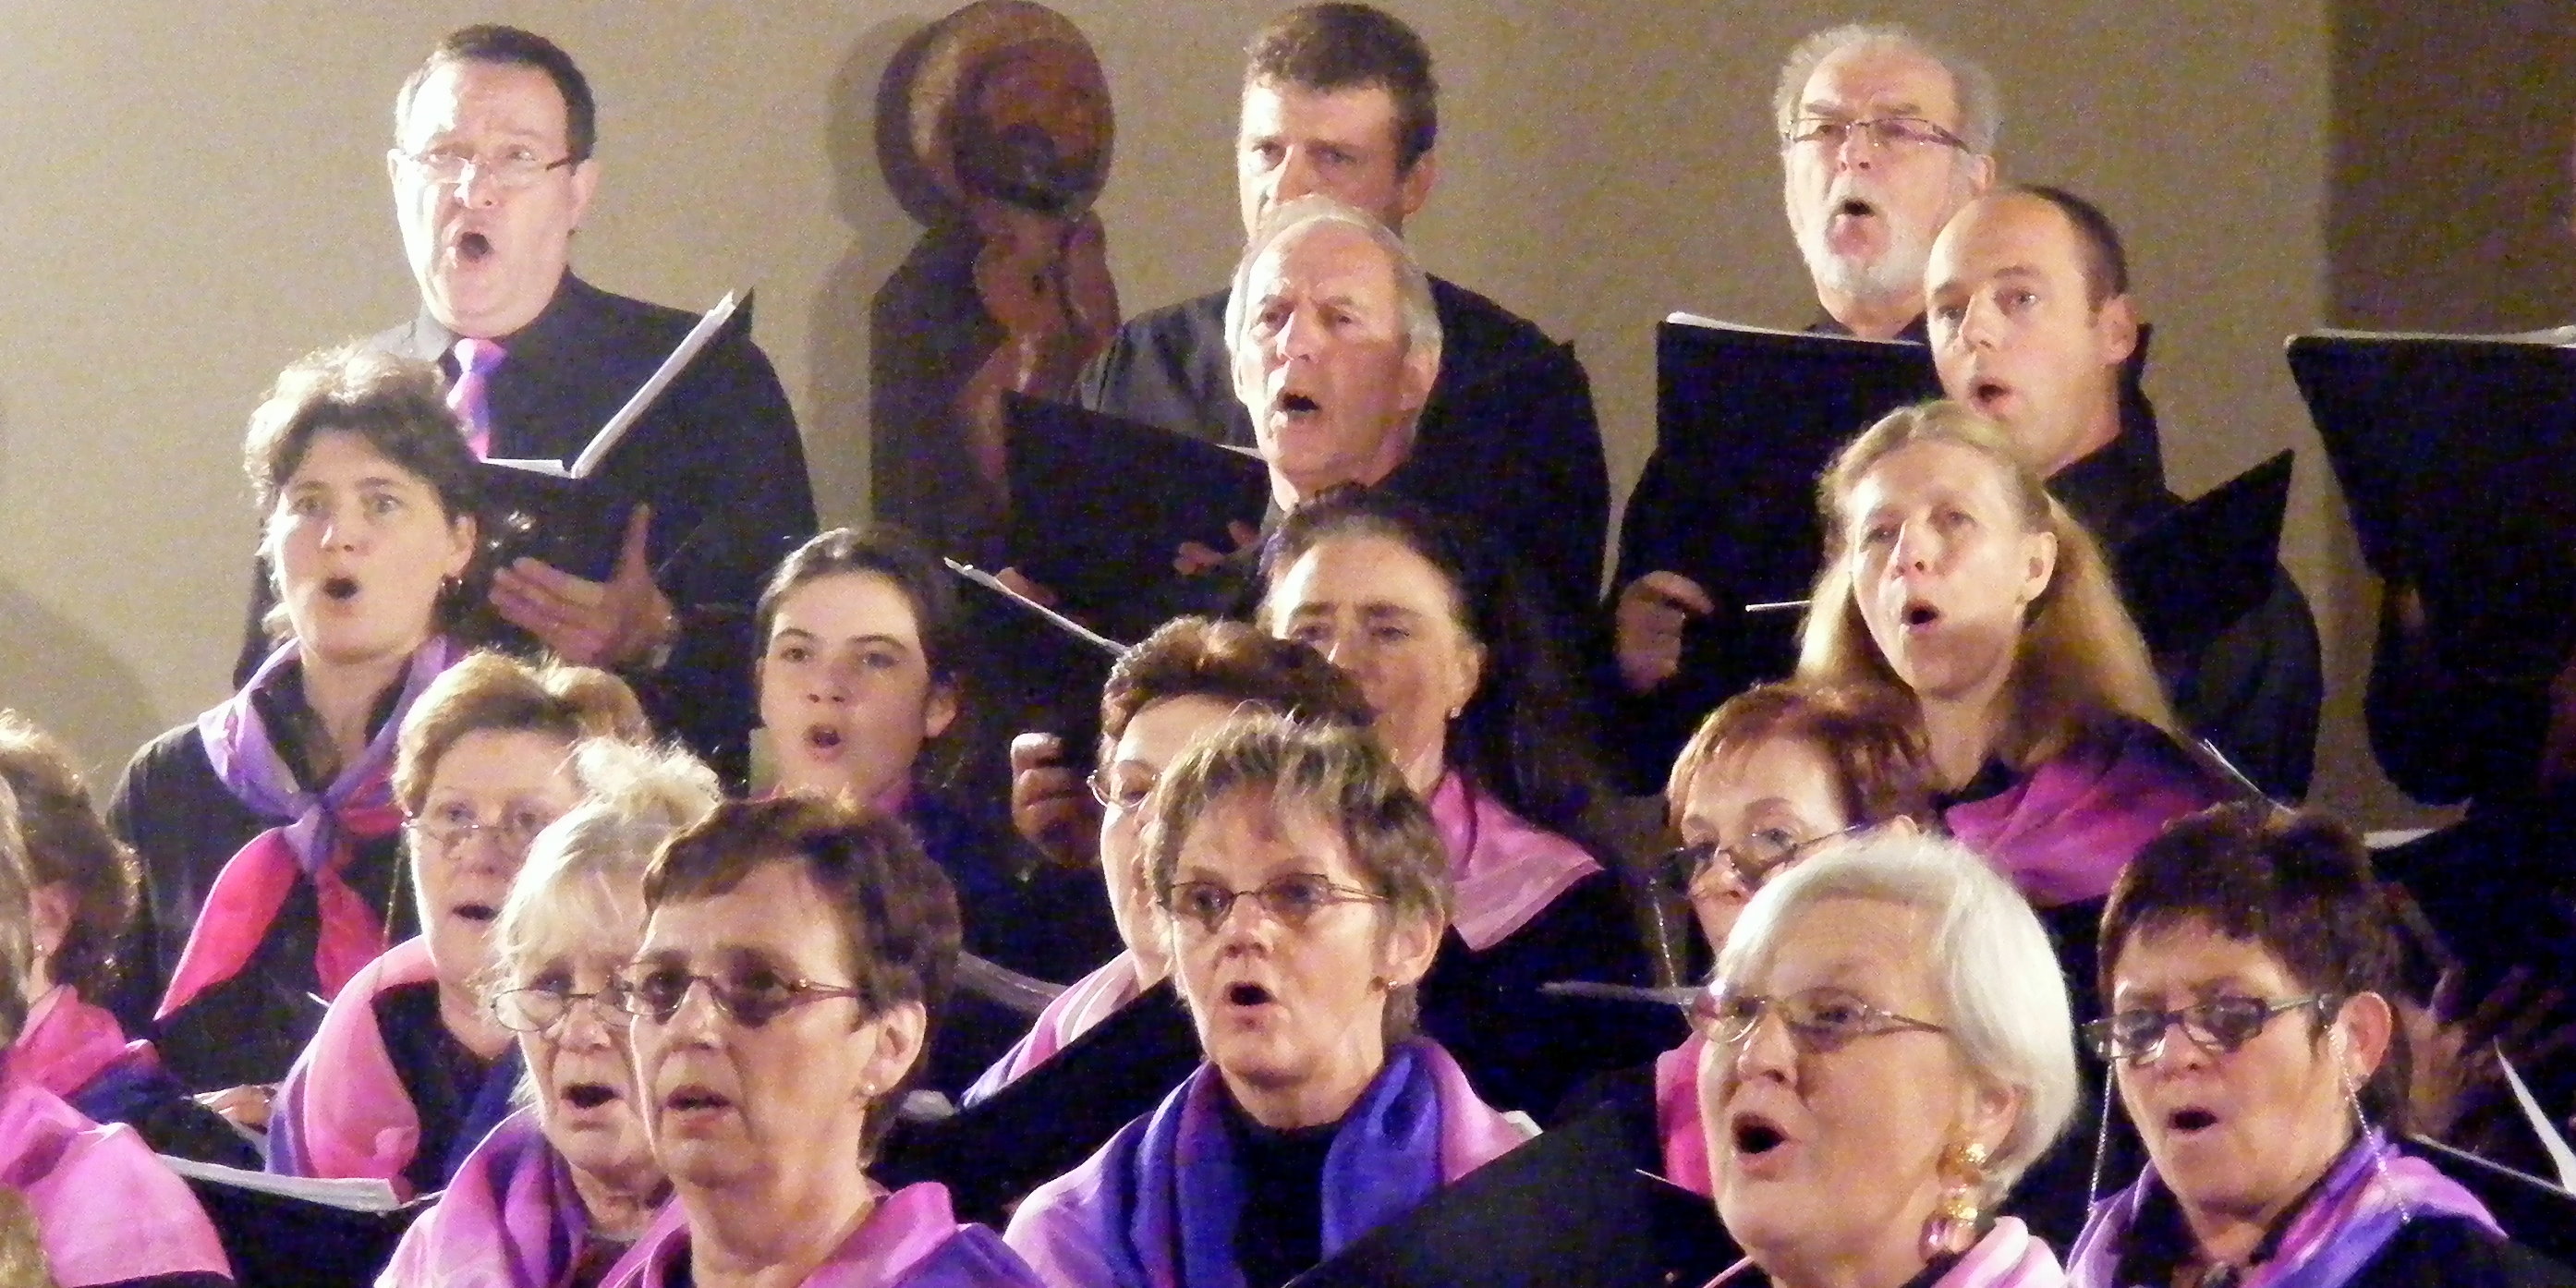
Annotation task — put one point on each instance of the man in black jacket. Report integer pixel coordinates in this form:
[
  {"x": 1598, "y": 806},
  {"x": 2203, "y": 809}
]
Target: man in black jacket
[
  {"x": 2031, "y": 324},
  {"x": 1339, "y": 101},
  {"x": 492, "y": 173}
]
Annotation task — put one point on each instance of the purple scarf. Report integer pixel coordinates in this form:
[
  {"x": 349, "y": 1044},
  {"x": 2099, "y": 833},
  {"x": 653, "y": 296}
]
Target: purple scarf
[
  {"x": 911, "y": 1240},
  {"x": 510, "y": 1218},
  {"x": 2010, "y": 1256},
  {"x": 314, "y": 840},
  {"x": 106, "y": 1209},
  {"x": 1156, "y": 1207},
  {"x": 2366, "y": 1197},
  {"x": 2063, "y": 831}
]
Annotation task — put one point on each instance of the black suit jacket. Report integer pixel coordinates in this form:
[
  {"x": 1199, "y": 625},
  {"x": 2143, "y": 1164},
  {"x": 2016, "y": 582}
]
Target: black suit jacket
[{"x": 717, "y": 457}]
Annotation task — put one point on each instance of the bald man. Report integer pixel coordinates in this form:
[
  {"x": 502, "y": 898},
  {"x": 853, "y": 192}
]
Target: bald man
[{"x": 2031, "y": 322}]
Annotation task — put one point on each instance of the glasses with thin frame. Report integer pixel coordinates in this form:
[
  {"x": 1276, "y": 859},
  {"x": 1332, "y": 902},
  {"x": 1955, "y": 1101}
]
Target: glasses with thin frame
[
  {"x": 1831, "y": 132},
  {"x": 1755, "y": 859},
  {"x": 1818, "y": 1019},
  {"x": 1124, "y": 793},
  {"x": 538, "y": 1008},
  {"x": 749, "y": 998},
  {"x": 512, "y": 170},
  {"x": 2217, "y": 1026},
  {"x": 1292, "y": 900},
  {"x": 451, "y": 829}
]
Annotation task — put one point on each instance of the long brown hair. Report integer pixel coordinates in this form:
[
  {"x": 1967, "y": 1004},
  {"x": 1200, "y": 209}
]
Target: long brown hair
[{"x": 2080, "y": 663}]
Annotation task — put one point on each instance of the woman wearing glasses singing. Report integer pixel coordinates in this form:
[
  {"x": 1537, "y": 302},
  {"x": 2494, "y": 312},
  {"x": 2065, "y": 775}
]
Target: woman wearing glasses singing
[
  {"x": 1775, "y": 775},
  {"x": 796, "y": 954},
  {"x": 565, "y": 1184},
  {"x": 2248, "y": 962},
  {"x": 1301, "y": 892},
  {"x": 1188, "y": 677},
  {"x": 1951, "y": 571},
  {"x": 409, "y": 1069},
  {"x": 1888, "y": 1049}
]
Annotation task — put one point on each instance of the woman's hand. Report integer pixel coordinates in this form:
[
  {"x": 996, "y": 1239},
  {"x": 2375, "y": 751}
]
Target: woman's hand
[{"x": 2459, "y": 1094}]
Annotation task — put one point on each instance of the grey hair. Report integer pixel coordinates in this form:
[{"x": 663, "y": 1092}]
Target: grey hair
[
  {"x": 586, "y": 865},
  {"x": 2002, "y": 991},
  {"x": 1412, "y": 284},
  {"x": 17, "y": 928},
  {"x": 1345, "y": 779},
  {"x": 1981, "y": 106}
]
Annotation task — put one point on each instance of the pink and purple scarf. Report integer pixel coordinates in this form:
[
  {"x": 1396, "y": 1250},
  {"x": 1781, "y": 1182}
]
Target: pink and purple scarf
[
  {"x": 1074, "y": 1012},
  {"x": 911, "y": 1240},
  {"x": 1505, "y": 870},
  {"x": 106, "y": 1210},
  {"x": 1156, "y": 1207},
  {"x": 1677, "y": 1120},
  {"x": 315, "y": 839},
  {"x": 2066, "y": 828},
  {"x": 510, "y": 1218},
  {"x": 2009, "y": 1256},
  {"x": 2366, "y": 1197}
]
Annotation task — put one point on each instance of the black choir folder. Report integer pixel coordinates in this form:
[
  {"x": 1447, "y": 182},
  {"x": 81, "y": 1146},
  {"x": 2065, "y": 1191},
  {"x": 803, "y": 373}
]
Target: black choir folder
[
  {"x": 1033, "y": 664},
  {"x": 562, "y": 512},
  {"x": 1099, "y": 505},
  {"x": 292, "y": 1232},
  {"x": 1565, "y": 1208},
  {"x": 2205, "y": 565},
  {"x": 2457, "y": 455}
]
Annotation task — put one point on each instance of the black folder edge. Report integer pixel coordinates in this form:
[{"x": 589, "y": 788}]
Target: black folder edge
[
  {"x": 2202, "y": 567},
  {"x": 2534, "y": 1213},
  {"x": 1081, "y": 634},
  {"x": 579, "y": 524},
  {"x": 1078, "y": 521},
  {"x": 1666, "y": 1234}
]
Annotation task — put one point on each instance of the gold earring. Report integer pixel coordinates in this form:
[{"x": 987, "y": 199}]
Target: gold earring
[{"x": 1953, "y": 1227}]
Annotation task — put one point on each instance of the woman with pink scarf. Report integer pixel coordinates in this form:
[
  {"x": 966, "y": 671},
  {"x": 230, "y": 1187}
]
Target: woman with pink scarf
[
  {"x": 796, "y": 955},
  {"x": 408, "y": 1069},
  {"x": 1472, "y": 704},
  {"x": 2249, "y": 959},
  {"x": 1301, "y": 893},
  {"x": 266, "y": 827},
  {"x": 1888, "y": 1049},
  {"x": 564, "y": 1186},
  {"x": 106, "y": 1211}
]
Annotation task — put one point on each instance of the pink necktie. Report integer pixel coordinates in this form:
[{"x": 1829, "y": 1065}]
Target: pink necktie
[{"x": 475, "y": 360}]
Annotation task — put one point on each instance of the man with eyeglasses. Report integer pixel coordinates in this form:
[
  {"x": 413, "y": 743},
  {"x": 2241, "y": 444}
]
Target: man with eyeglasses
[
  {"x": 1883, "y": 136},
  {"x": 2031, "y": 322},
  {"x": 492, "y": 172}
]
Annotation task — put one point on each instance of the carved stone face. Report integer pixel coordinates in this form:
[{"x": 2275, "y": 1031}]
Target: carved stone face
[{"x": 1033, "y": 128}]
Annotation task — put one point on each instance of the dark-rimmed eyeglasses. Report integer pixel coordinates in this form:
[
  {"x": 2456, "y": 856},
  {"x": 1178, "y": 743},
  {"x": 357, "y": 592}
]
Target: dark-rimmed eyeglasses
[
  {"x": 750, "y": 1000},
  {"x": 537, "y": 1009},
  {"x": 1818, "y": 1019},
  {"x": 1755, "y": 859},
  {"x": 1831, "y": 132},
  {"x": 2217, "y": 1026},
  {"x": 511, "y": 171},
  {"x": 1292, "y": 900}
]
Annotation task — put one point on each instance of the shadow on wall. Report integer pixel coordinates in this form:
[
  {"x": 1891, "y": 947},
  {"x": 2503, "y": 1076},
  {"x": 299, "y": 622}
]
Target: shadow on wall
[
  {"x": 894, "y": 340},
  {"x": 69, "y": 682}
]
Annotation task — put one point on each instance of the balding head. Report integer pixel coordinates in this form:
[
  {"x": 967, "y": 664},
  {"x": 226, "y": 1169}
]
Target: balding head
[{"x": 2027, "y": 305}]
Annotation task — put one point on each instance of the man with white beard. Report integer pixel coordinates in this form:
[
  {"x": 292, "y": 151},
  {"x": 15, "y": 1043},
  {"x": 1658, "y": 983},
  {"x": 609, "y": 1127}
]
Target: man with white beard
[{"x": 1883, "y": 137}]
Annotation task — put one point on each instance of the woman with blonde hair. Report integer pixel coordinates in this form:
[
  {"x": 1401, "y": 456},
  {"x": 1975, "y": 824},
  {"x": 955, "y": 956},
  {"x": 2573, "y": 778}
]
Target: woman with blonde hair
[
  {"x": 1950, "y": 571},
  {"x": 408, "y": 1070}
]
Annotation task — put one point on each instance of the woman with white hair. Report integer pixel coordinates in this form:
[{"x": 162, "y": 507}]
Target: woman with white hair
[
  {"x": 1889, "y": 1048},
  {"x": 564, "y": 1185}
]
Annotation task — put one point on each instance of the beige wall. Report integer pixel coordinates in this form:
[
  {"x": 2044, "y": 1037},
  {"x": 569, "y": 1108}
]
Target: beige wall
[{"x": 195, "y": 194}]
